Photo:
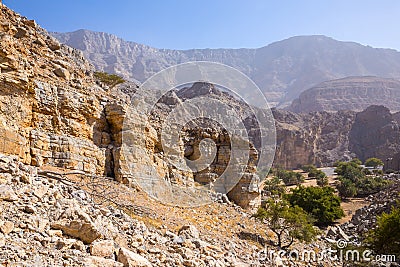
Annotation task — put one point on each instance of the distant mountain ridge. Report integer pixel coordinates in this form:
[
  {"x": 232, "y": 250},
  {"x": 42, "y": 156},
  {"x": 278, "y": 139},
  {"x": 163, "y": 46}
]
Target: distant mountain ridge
[
  {"x": 351, "y": 93},
  {"x": 282, "y": 69}
]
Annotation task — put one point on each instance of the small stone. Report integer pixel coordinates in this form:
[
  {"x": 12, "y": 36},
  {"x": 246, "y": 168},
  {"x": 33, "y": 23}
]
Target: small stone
[
  {"x": 7, "y": 193},
  {"x": 102, "y": 248},
  {"x": 25, "y": 178},
  {"x": 94, "y": 261},
  {"x": 7, "y": 227},
  {"x": 40, "y": 42},
  {"x": 21, "y": 32},
  {"x": 41, "y": 191},
  {"x": 78, "y": 245},
  {"x": 85, "y": 231},
  {"x": 58, "y": 233},
  {"x": 2, "y": 240},
  {"x": 131, "y": 259},
  {"x": 154, "y": 251},
  {"x": 62, "y": 73},
  {"x": 53, "y": 44},
  {"x": 30, "y": 23},
  {"x": 189, "y": 231},
  {"x": 30, "y": 209}
]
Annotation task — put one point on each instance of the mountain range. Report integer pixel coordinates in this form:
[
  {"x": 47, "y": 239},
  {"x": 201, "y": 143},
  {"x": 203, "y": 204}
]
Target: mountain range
[{"x": 282, "y": 70}]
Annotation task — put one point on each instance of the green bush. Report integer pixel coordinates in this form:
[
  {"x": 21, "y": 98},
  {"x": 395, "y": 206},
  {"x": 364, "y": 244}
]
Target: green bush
[
  {"x": 320, "y": 202},
  {"x": 356, "y": 181},
  {"x": 108, "y": 79},
  {"x": 308, "y": 168},
  {"x": 350, "y": 170},
  {"x": 346, "y": 188},
  {"x": 373, "y": 162},
  {"x": 274, "y": 186},
  {"x": 356, "y": 161},
  {"x": 322, "y": 179},
  {"x": 370, "y": 185},
  {"x": 289, "y": 177},
  {"x": 385, "y": 238}
]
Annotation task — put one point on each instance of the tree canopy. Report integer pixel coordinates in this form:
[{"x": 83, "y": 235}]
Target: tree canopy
[
  {"x": 320, "y": 202},
  {"x": 287, "y": 222}
]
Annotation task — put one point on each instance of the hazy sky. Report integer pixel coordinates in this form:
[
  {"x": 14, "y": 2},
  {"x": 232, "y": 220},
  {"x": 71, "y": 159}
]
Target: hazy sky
[{"x": 183, "y": 24}]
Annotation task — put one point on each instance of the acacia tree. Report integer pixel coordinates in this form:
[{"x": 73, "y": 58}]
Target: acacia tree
[
  {"x": 346, "y": 188},
  {"x": 288, "y": 223},
  {"x": 373, "y": 162},
  {"x": 320, "y": 202}
]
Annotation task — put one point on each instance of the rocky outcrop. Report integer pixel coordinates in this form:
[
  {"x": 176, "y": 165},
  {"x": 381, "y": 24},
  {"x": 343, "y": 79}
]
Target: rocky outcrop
[
  {"x": 319, "y": 138},
  {"x": 352, "y": 93},
  {"x": 375, "y": 133},
  {"x": 282, "y": 69},
  {"x": 47, "y": 117},
  {"x": 55, "y": 114}
]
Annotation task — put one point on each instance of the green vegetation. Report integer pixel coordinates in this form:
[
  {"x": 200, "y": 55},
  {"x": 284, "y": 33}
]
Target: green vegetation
[
  {"x": 356, "y": 181},
  {"x": 108, "y": 79},
  {"x": 287, "y": 222},
  {"x": 320, "y": 176},
  {"x": 373, "y": 162},
  {"x": 320, "y": 202},
  {"x": 308, "y": 168},
  {"x": 289, "y": 177},
  {"x": 322, "y": 179},
  {"x": 385, "y": 238},
  {"x": 274, "y": 186},
  {"x": 347, "y": 188},
  {"x": 356, "y": 161}
]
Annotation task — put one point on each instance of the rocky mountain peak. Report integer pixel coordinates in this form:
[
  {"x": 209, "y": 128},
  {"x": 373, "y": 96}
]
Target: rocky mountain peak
[{"x": 282, "y": 69}]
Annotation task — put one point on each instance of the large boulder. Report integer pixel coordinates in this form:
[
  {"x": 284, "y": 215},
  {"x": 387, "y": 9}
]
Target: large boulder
[
  {"x": 131, "y": 259},
  {"x": 85, "y": 231}
]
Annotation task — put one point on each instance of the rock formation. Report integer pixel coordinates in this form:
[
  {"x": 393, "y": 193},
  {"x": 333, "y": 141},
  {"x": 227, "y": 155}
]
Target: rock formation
[
  {"x": 375, "y": 133},
  {"x": 352, "y": 93},
  {"x": 282, "y": 69},
  {"x": 319, "y": 138},
  {"x": 54, "y": 114}
]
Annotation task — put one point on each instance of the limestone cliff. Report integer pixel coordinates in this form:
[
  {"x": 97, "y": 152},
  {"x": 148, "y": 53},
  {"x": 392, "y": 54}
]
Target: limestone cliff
[
  {"x": 375, "y": 133},
  {"x": 54, "y": 113},
  {"x": 319, "y": 138},
  {"x": 352, "y": 93}
]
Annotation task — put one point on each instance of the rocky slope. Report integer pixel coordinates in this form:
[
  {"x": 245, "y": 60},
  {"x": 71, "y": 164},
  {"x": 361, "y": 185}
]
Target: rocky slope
[
  {"x": 352, "y": 93},
  {"x": 282, "y": 70}
]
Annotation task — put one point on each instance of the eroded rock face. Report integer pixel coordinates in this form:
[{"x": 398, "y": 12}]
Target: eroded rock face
[
  {"x": 375, "y": 133},
  {"x": 50, "y": 106},
  {"x": 319, "y": 138}
]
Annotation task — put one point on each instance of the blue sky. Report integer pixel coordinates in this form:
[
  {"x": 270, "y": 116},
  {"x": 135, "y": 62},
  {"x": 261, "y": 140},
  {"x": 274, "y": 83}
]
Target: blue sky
[{"x": 184, "y": 24}]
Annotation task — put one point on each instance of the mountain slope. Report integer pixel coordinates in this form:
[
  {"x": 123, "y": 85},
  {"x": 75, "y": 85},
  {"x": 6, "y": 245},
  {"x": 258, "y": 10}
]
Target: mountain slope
[{"x": 282, "y": 69}]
